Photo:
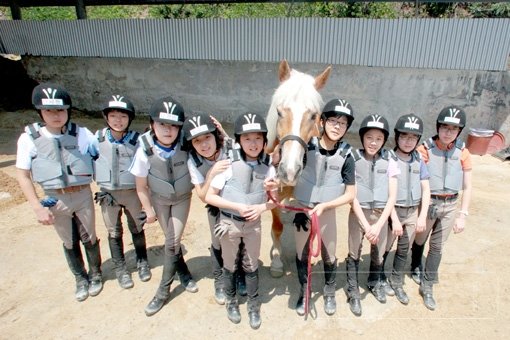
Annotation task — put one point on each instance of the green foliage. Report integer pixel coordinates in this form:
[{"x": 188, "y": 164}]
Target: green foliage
[
  {"x": 485, "y": 10},
  {"x": 348, "y": 9},
  {"x": 48, "y": 13}
]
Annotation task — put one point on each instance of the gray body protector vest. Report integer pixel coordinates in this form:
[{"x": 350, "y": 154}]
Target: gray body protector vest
[
  {"x": 202, "y": 165},
  {"x": 168, "y": 178},
  {"x": 372, "y": 179},
  {"x": 112, "y": 165},
  {"x": 246, "y": 185},
  {"x": 445, "y": 168},
  {"x": 409, "y": 182},
  {"x": 59, "y": 162},
  {"x": 321, "y": 179}
]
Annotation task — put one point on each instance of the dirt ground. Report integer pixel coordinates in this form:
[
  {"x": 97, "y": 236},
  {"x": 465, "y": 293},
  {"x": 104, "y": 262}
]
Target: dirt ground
[{"x": 37, "y": 289}]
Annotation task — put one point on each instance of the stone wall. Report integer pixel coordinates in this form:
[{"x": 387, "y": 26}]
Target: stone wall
[{"x": 227, "y": 89}]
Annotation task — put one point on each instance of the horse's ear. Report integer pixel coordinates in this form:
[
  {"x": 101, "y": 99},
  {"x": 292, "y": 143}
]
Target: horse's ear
[
  {"x": 322, "y": 78},
  {"x": 284, "y": 71}
]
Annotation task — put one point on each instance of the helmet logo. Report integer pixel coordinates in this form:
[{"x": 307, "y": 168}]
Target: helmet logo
[
  {"x": 375, "y": 123},
  {"x": 198, "y": 128},
  {"x": 453, "y": 116},
  {"x": 117, "y": 102},
  {"x": 342, "y": 107},
  {"x": 170, "y": 107},
  {"x": 251, "y": 125},
  {"x": 50, "y": 97},
  {"x": 412, "y": 123}
]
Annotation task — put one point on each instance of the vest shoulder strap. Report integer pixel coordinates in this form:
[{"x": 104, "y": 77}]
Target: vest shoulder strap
[
  {"x": 147, "y": 143},
  {"x": 33, "y": 130},
  {"x": 134, "y": 138},
  {"x": 196, "y": 159},
  {"x": 265, "y": 159},
  {"x": 101, "y": 135},
  {"x": 345, "y": 149},
  {"x": 357, "y": 155},
  {"x": 72, "y": 129}
]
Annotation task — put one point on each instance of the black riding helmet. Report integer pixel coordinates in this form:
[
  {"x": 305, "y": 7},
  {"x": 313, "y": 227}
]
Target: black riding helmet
[
  {"x": 167, "y": 110},
  {"x": 49, "y": 96},
  {"x": 250, "y": 122},
  {"x": 451, "y": 115},
  {"x": 337, "y": 108},
  {"x": 119, "y": 103},
  {"x": 197, "y": 125},
  {"x": 409, "y": 123},
  {"x": 374, "y": 121}
]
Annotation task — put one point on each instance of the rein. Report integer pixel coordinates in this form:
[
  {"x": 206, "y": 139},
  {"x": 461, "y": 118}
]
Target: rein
[{"x": 315, "y": 233}]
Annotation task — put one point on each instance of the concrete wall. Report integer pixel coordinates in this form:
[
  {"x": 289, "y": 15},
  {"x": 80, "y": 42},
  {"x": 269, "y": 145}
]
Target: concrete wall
[{"x": 227, "y": 89}]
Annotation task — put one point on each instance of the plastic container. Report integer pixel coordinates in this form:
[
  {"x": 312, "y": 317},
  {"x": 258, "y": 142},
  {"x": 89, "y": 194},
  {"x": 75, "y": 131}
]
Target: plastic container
[{"x": 478, "y": 140}]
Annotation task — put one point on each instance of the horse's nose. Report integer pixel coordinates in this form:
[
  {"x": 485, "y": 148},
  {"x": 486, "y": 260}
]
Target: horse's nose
[{"x": 289, "y": 174}]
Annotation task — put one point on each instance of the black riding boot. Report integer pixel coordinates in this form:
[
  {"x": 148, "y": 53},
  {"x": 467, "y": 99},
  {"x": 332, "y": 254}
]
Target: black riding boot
[
  {"x": 375, "y": 283},
  {"x": 302, "y": 271},
  {"x": 239, "y": 273},
  {"x": 353, "y": 295},
  {"x": 74, "y": 259},
  {"x": 232, "y": 304},
  {"x": 184, "y": 274},
  {"x": 416, "y": 263},
  {"x": 94, "y": 259},
  {"x": 252, "y": 289},
  {"x": 217, "y": 270},
  {"x": 142, "y": 263},
  {"x": 330, "y": 288},
  {"x": 121, "y": 272},
  {"x": 384, "y": 279},
  {"x": 163, "y": 292}
]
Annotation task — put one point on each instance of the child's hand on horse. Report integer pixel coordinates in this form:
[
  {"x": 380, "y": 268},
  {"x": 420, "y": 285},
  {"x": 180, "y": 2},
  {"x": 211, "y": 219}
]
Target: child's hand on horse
[
  {"x": 218, "y": 126},
  {"x": 271, "y": 184},
  {"x": 275, "y": 156}
]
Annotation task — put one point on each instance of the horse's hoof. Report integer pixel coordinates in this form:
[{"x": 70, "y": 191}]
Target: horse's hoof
[{"x": 276, "y": 269}]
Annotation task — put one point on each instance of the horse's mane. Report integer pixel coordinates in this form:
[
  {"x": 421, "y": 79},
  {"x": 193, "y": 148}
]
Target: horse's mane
[{"x": 300, "y": 90}]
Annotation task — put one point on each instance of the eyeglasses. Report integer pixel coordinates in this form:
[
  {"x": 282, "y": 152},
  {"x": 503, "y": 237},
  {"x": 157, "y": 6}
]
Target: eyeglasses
[
  {"x": 408, "y": 138},
  {"x": 449, "y": 129},
  {"x": 333, "y": 122}
]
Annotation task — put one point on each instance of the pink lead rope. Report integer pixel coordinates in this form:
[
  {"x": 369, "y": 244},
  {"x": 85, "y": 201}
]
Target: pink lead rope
[{"x": 315, "y": 234}]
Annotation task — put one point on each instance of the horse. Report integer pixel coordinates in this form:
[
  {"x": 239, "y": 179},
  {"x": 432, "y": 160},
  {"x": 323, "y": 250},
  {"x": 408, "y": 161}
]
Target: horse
[{"x": 292, "y": 120}]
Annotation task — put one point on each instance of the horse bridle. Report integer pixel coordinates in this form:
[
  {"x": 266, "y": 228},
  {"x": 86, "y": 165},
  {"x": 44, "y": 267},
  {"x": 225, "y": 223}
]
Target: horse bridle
[
  {"x": 293, "y": 137},
  {"x": 296, "y": 138}
]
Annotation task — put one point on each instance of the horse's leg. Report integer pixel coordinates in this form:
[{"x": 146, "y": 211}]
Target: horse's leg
[{"x": 276, "y": 269}]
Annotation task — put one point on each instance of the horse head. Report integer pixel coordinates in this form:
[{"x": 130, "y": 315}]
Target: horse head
[{"x": 293, "y": 118}]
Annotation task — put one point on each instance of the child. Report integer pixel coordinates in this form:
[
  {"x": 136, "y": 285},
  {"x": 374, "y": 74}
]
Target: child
[
  {"x": 209, "y": 149},
  {"x": 449, "y": 165},
  {"x": 56, "y": 155},
  {"x": 164, "y": 188},
  {"x": 327, "y": 182},
  {"x": 413, "y": 197},
  {"x": 241, "y": 200},
  {"x": 376, "y": 185},
  {"x": 116, "y": 146}
]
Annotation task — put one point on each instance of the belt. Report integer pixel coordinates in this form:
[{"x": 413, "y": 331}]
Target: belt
[
  {"x": 445, "y": 198},
  {"x": 68, "y": 190},
  {"x": 403, "y": 207},
  {"x": 237, "y": 218}
]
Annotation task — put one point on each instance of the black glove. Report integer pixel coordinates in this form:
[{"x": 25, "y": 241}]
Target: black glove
[
  {"x": 212, "y": 210},
  {"x": 301, "y": 221},
  {"x": 104, "y": 198},
  {"x": 142, "y": 217}
]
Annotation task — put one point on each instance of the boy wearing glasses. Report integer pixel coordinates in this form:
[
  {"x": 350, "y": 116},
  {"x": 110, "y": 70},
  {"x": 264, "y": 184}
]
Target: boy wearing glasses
[
  {"x": 327, "y": 182},
  {"x": 449, "y": 165}
]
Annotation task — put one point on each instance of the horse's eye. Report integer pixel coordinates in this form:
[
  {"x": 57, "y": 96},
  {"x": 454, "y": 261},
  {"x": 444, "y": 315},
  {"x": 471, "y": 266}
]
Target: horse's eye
[
  {"x": 313, "y": 117},
  {"x": 280, "y": 115}
]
